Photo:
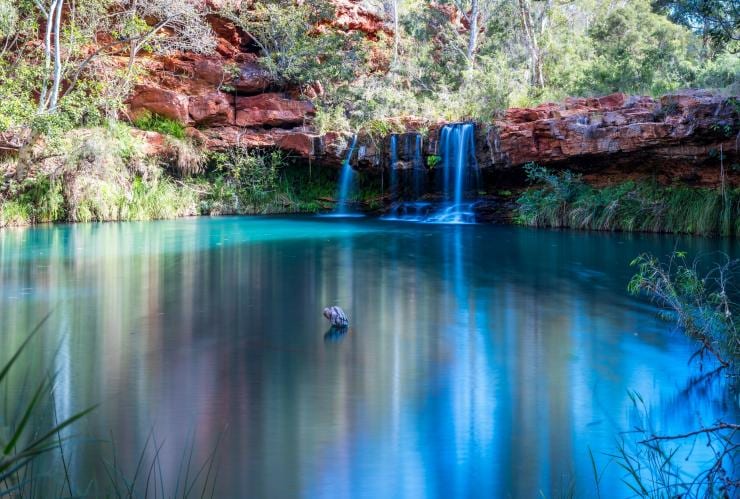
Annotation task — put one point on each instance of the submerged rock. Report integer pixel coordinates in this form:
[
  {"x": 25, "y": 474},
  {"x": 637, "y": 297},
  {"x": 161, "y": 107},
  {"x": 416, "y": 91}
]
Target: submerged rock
[{"x": 336, "y": 317}]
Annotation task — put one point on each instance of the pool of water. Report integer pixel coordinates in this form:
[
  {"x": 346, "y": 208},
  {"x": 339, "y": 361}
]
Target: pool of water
[{"x": 481, "y": 361}]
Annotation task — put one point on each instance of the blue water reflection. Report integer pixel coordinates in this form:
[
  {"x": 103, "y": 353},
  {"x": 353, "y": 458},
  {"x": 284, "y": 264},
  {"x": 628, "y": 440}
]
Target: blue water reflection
[{"x": 480, "y": 362}]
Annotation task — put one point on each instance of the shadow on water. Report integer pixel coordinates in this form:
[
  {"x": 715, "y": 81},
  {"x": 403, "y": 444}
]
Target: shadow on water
[{"x": 490, "y": 359}]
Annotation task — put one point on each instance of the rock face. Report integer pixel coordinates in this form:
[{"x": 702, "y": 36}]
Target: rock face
[
  {"x": 683, "y": 129},
  {"x": 228, "y": 99},
  {"x": 366, "y": 16}
]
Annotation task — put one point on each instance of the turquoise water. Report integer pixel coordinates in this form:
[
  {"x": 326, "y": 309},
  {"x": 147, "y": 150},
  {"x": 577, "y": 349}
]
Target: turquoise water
[{"x": 482, "y": 361}]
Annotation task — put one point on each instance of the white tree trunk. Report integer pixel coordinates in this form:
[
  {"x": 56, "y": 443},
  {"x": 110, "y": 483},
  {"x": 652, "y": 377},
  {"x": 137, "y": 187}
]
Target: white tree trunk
[
  {"x": 47, "y": 13},
  {"x": 537, "y": 78},
  {"x": 396, "y": 31},
  {"x": 57, "y": 57},
  {"x": 473, "y": 39}
]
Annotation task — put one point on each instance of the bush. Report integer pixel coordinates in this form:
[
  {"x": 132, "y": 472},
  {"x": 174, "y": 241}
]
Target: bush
[
  {"x": 35, "y": 200},
  {"x": 331, "y": 119},
  {"x": 244, "y": 181},
  {"x": 295, "y": 54},
  {"x": 701, "y": 304}
]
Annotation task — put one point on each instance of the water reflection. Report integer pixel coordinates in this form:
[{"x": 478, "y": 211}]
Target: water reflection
[
  {"x": 482, "y": 361},
  {"x": 335, "y": 334}
]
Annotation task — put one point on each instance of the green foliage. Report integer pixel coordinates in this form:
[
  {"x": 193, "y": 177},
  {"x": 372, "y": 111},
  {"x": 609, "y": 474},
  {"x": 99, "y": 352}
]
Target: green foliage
[
  {"x": 701, "y": 303},
  {"x": 331, "y": 119},
  {"x": 636, "y": 50},
  {"x": 722, "y": 72},
  {"x": 587, "y": 47},
  {"x": 308, "y": 192},
  {"x": 291, "y": 51},
  {"x": 35, "y": 200},
  {"x": 156, "y": 123},
  {"x": 433, "y": 161},
  {"x": 236, "y": 184},
  {"x": 9, "y": 18},
  {"x": 715, "y": 20},
  {"x": 379, "y": 129},
  {"x": 243, "y": 181},
  {"x": 160, "y": 199},
  {"x": 564, "y": 200},
  {"x": 15, "y": 213}
]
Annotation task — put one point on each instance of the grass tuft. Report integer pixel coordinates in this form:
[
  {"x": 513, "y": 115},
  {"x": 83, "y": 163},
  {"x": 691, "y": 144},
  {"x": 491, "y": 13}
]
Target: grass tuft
[{"x": 156, "y": 123}]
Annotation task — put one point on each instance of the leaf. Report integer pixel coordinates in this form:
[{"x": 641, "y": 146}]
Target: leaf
[{"x": 9, "y": 364}]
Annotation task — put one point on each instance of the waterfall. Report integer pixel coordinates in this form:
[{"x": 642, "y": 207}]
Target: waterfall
[
  {"x": 459, "y": 166},
  {"x": 346, "y": 181},
  {"x": 394, "y": 157},
  {"x": 419, "y": 172},
  {"x": 393, "y": 165},
  {"x": 456, "y": 174}
]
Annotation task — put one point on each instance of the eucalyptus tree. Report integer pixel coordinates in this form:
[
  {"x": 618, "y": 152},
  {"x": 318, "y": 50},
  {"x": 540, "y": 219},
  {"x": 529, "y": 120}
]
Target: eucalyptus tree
[{"x": 476, "y": 14}]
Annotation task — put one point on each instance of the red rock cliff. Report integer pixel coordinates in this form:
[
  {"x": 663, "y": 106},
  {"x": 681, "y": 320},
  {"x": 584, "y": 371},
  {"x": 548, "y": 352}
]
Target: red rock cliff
[
  {"x": 680, "y": 133},
  {"x": 250, "y": 108}
]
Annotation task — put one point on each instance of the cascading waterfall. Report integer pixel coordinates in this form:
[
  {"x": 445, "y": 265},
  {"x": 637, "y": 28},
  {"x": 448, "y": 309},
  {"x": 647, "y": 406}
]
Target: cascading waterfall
[
  {"x": 394, "y": 172},
  {"x": 393, "y": 163},
  {"x": 456, "y": 174},
  {"x": 459, "y": 166},
  {"x": 346, "y": 182},
  {"x": 419, "y": 172}
]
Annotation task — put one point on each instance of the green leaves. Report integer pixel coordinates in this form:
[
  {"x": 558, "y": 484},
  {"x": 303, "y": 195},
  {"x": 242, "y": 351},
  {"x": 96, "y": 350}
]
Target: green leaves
[
  {"x": 28, "y": 441},
  {"x": 699, "y": 303},
  {"x": 156, "y": 123},
  {"x": 294, "y": 52}
]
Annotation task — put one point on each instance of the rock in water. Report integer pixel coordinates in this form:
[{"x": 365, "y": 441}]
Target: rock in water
[{"x": 336, "y": 317}]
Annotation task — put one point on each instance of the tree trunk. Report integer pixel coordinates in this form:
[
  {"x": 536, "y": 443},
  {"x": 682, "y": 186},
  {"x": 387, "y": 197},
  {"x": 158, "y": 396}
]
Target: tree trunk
[
  {"x": 396, "y": 31},
  {"x": 48, "y": 16},
  {"x": 537, "y": 78},
  {"x": 57, "y": 57},
  {"x": 473, "y": 40}
]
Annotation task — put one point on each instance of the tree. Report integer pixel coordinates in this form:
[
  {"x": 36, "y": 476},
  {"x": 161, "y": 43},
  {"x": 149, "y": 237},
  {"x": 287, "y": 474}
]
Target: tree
[
  {"x": 530, "y": 36},
  {"x": 297, "y": 42},
  {"x": 715, "y": 20},
  {"x": 637, "y": 50},
  {"x": 392, "y": 6},
  {"x": 160, "y": 26},
  {"x": 476, "y": 14}
]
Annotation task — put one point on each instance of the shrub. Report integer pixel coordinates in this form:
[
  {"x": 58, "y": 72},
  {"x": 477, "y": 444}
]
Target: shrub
[
  {"x": 254, "y": 175},
  {"x": 701, "y": 304},
  {"x": 185, "y": 157},
  {"x": 331, "y": 119},
  {"x": 35, "y": 200},
  {"x": 293, "y": 53}
]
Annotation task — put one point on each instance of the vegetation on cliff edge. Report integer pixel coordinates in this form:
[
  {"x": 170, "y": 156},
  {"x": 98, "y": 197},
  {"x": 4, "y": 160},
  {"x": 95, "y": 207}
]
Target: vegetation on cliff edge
[{"x": 565, "y": 200}]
